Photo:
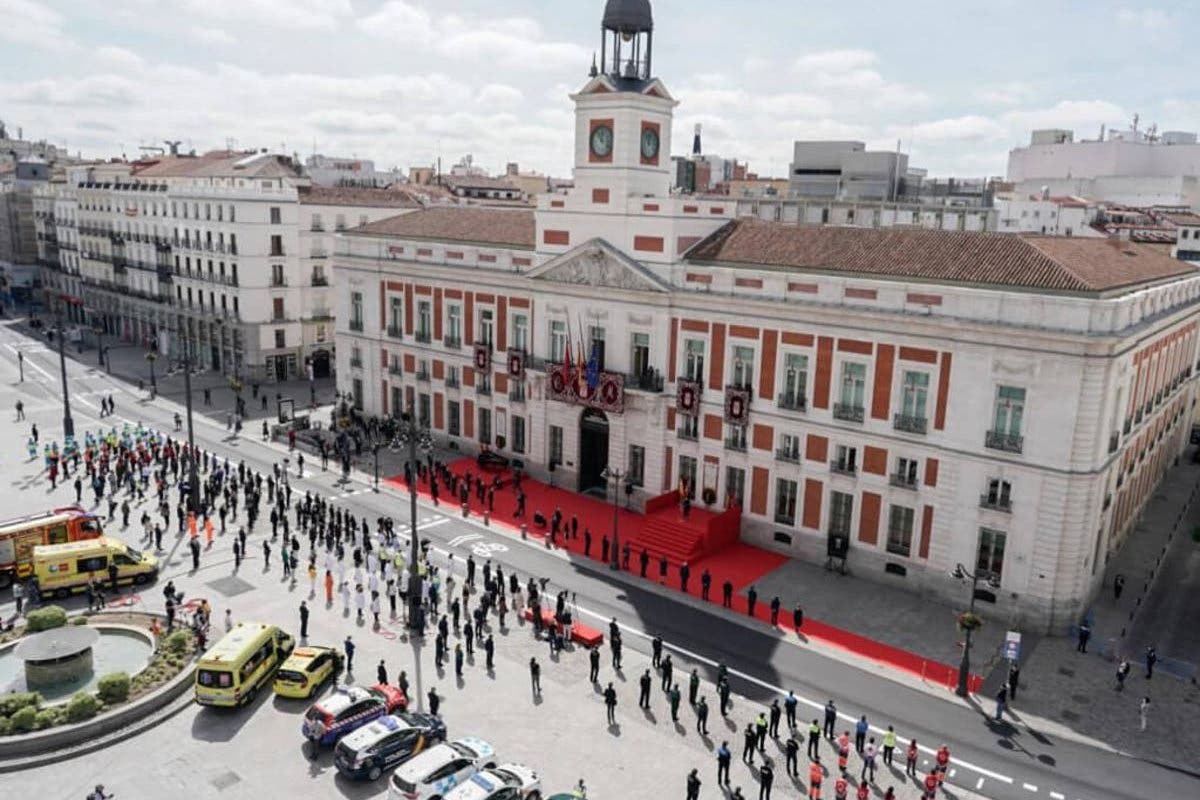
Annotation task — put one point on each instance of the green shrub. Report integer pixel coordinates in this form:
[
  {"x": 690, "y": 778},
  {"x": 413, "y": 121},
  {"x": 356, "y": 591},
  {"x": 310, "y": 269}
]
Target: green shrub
[
  {"x": 80, "y": 620},
  {"x": 24, "y": 719},
  {"x": 81, "y": 706},
  {"x": 114, "y": 687},
  {"x": 178, "y": 642},
  {"x": 12, "y": 703},
  {"x": 46, "y": 718},
  {"x": 45, "y": 618},
  {"x": 5, "y": 726}
]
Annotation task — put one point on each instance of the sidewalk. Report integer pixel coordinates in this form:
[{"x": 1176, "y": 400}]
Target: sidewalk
[{"x": 1160, "y": 606}]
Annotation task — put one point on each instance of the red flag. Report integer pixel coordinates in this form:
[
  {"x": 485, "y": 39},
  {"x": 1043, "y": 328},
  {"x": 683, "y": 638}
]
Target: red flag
[{"x": 566, "y": 365}]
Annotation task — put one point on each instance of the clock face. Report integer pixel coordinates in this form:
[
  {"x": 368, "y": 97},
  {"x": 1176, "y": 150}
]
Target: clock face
[
  {"x": 649, "y": 143},
  {"x": 602, "y": 141}
]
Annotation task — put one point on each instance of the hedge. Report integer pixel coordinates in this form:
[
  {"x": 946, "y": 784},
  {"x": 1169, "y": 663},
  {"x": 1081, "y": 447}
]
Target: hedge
[
  {"x": 24, "y": 720},
  {"x": 46, "y": 718},
  {"x": 81, "y": 706},
  {"x": 12, "y": 703},
  {"x": 45, "y": 618},
  {"x": 178, "y": 642},
  {"x": 114, "y": 687}
]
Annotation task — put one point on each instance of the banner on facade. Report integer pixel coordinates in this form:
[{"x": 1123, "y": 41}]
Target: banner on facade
[
  {"x": 687, "y": 397},
  {"x": 565, "y": 386},
  {"x": 737, "y": 405},
  {"x": 516, "y": 363}
]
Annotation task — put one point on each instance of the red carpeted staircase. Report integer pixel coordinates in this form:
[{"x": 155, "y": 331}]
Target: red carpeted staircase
[{"x": 661, "y": 535}]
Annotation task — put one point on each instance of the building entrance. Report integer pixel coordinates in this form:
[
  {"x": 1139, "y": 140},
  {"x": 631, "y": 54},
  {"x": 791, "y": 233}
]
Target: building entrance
[{"x": 593, "y": 450}]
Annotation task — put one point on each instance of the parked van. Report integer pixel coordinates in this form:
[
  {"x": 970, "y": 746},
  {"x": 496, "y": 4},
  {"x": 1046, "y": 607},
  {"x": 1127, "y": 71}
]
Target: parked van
[
  {"x": 64, "y": 568},
  {"x": 245, "y": 659},
  {"x": 18, "y": 537}
]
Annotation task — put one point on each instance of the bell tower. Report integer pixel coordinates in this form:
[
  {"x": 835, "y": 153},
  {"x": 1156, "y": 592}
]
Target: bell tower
[{"x": 623, "y": 114}]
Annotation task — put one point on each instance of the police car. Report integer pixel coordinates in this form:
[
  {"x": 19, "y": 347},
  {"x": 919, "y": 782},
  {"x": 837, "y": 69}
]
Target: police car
[
  {"x": 386, "y": 742},
  {"x": 439, "y": 769},
  {"x": 505, "y": 782},
  {"x": 348, "y": 708}
]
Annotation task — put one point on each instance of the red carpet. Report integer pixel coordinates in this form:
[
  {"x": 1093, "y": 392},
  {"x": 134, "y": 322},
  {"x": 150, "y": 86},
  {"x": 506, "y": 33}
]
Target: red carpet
[{"x": 705, "y": 540}]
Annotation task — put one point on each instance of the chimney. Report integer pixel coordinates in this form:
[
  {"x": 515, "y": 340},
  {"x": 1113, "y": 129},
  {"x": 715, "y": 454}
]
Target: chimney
[
  {"x": 696, "y": 149},
  {"x": 512, "y": 168}
]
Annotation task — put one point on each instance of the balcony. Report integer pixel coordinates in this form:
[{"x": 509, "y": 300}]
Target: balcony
[
  {"x": 996, "y": 502},
  {"x": 847, "y": 412},
  {"x": 393, "y": 332},
  {"x": 320, "y": 280},
  {"x": 423, "y": 336},
  {"x": 1127, "y": 426},
  {"x": 452, "y": 342},
  {"x": 452, "y": 380},
  {"x": 840, "y": 467},
  {"x": 688, "y": 433},
  {"x": 791, "y": 401},
  {"x": 317, "y": 227},
  {"x": 789, "y": 454},
  {"x": 903, "y": 481},
  {"x": 483, "y": 388},
  {"x": 278, "y": 282},
  {"x": 735, "y": 440},
  {"x": 319, "y": 254},
  {"x": 517, "y": 395},
  {"x": 355, "y": 325},
  {"x": 909, "y": 423},
  {"x": 1008, "y": 442},
  {"x": 785, "y": 519},
  {"x": 423, "y": 375},
  {"x": 648, "y": 381},
  {"x": 1113, "y": 441}
]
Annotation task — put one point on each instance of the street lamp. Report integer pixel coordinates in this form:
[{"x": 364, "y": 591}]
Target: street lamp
[
  {"x": 615, "y": 475},
  {"x": 963, "y": 575},
  {"x": 99, "y": 331},
  {"x": 235, "y": 383},
  {"x": 152, "y": 356},
  {"x": 193, "y": 476},
  {"x": 68, "y": 423},
  {"x": 410, "y": 432}
]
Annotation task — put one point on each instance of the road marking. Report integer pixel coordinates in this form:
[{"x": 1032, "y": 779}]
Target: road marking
[
  {"x": 952, "y": 771},
  {"x": 1056, "y": 796},
  {"x": 979, "y": 785},
  {"x": 469, "y": 537},
  {"x": 1029, "y": 787}
]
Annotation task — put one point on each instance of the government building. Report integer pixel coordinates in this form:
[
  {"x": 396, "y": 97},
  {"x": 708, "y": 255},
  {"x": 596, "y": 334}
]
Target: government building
[{"x": 926, "y": 398}]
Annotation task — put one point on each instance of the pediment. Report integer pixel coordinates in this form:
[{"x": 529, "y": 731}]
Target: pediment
[{"x": 598, "y": 264}]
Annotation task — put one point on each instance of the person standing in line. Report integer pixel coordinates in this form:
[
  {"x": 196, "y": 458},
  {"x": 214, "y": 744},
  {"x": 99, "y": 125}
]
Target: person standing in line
[
  {"x": 789, "y": 709},
  {"x": 1144, "y": 711},
  {"x": 860, "y": 734},
  {"x": 705, "y": 584},
  {"x": 776, "y": 714},
  {"x": 673, "y": 698},
  {"x": 910, "y": 759},
  {"x": 644, "y": 690},
  {"x": 889, "y": 745},
  {"x": 749, "y": 738},
  {"x": 348, "y": 648},
  {"x": 1118, "y": 587},
  {"x": 667, "y": 670},
  {"x": 868, "y": 755},
  {"x": 766, "y": 777},
  {"x": 610, "y": 703},
  {"x": 814, "y": 738},
  {"x": 830, "y": 719},
  {"x": 727, "y": 594},
  {"x": 751, "y": 601},
  {"x": 594, "y": 665},
  {"x": 656, "y": 645},
  {"x": 760, "y": 731},
  {"x": 1151, "y": 660},
  {"x": 792, "y": 749},
  {"x": 774, "y": 610},
  {"x": 702, "y": 717},
  {"x": 1122, "y": 673},
  {"x": 535, "y": 676},
  {"x": 489, "y": 650},
  {"x": 693, "y": 785},
  {"x": 458, "y": 661},
  {"x": 381, "y": 676},
  {"x": 1001, "y": 701},
  {"x": 693, "y": 686},
  {"x": 303, "y": 619},
  {"x": 815, "y": 774},
  {"x": 724, "y": 756}
]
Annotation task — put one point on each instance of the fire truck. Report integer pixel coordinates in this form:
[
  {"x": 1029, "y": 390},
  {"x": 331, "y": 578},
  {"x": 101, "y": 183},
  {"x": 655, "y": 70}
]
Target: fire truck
[{"x": 20, "y": 535}]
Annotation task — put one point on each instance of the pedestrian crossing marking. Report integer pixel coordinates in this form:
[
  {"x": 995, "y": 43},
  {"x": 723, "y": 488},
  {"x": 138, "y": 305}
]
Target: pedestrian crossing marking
[
  {"x": 1056, "y": 796},
  {"x": 1029, "y": 787},
  {"x": 979, "y": 785}
]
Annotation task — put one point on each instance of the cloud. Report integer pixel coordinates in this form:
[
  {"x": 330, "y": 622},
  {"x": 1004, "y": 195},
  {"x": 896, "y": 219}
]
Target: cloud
[
  {"x": 511, "y": 42},
  {"x": 26, "y": 22},
  {"x": 214, "y": 36},
  {"x": 834, "y": 61},
  {"x": 970, "y": 128},
  {"x": 119, "y": 58},
  {"x": 1153, "y": 19},
  {"x": 93, "y": 91},
  {"x": 1066, "y": 114},
  {"x": 1010, "y": 93},
  {"x": 325, "y": 15},
  {"x": 499, "y": 96}
]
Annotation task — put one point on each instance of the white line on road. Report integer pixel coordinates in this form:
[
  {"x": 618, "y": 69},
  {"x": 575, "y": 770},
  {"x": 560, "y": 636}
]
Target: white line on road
[
  {"x": 1056, "y": 796},
  {"x": 1029, "y": 787},
  {"x": 979, "y": 785}
]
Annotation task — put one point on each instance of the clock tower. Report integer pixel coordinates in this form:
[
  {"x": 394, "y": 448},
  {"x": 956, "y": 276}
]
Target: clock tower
[{"x": 623, "y": 114}]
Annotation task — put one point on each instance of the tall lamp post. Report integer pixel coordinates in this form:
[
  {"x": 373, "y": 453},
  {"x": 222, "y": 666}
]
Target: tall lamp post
[
  {"x": 193, "y": 474},
  {"x": 416, "y": 437},
  {"x": 152, "y": 356},
  {"x": 98, "y": 329},
  {"x": 68, "y": 422},
  {"x": 963, "y": 574},
  {"x": 615, "y": 475}
]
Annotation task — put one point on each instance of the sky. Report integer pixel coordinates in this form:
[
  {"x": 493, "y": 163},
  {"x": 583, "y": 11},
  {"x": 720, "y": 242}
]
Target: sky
[{"x": 403, "y": 82}]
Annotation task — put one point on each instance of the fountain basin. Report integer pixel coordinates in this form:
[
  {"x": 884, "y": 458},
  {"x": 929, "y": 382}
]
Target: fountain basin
[{"x": 60, "y": 662}]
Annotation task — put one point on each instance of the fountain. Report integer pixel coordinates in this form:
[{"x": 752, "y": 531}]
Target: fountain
[
  {"x": 58, "y": 656},
  {"x": 62, "y": 661}
]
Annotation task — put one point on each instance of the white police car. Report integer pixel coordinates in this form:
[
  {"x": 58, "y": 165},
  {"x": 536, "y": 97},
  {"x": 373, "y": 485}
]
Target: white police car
[
  {"x": 505, "y": 782},
  {"x": 439, "y": 769}
]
